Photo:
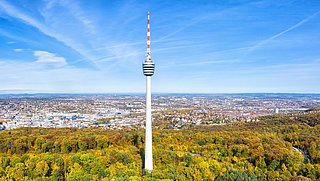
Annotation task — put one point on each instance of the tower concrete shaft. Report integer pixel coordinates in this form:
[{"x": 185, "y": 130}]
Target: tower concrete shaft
[
  {"x": 148, "y": 71},
  {"x": 148, "y": 149}
]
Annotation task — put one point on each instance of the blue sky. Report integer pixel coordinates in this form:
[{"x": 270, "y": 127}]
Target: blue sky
[{"x": 198, "y": 46}]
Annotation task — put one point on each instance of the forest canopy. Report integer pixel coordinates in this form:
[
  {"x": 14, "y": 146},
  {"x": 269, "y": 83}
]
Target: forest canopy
[{"x": 278, "y": 147}]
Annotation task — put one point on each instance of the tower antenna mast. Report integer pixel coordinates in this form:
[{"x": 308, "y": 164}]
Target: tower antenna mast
[{"x": 148, "y": 70}]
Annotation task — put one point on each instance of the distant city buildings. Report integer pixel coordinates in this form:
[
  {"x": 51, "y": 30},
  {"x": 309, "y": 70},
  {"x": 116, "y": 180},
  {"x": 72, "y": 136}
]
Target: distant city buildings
[{"x": 117, "y": 112}]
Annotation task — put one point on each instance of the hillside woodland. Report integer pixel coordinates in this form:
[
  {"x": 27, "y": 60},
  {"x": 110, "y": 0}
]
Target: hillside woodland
[{"x": 278, "y": 147}]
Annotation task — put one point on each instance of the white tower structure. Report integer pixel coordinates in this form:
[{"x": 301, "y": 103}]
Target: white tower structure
[{"x": 148, "y": 70}]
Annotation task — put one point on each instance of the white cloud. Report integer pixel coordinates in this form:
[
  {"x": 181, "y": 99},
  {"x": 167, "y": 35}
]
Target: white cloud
[
  {"x": 18, "y": 50},
  {"x": 49, "y": 58}
]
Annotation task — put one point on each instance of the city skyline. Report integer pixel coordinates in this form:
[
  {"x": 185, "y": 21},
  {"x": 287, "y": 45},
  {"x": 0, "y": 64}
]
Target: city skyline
[{"x": 200, "y": 47}]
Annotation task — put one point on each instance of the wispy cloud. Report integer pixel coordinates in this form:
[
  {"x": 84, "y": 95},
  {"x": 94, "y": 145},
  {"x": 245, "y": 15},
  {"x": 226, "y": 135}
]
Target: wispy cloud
[
  {"x": 205, "y": 59},
  {"x": 18, "y": 50},
  {"x": 99, "y": 44},
  {"x": 180, "y": 47},
  {"x": 204, "y": 15},
  {"x": 297, "y": 25},
  {"x": 11, "y": 36},
  {"x": 75, "y": 10},
  {"x": 16, "y": 13},
  {"x": 49, "y": 59},
  {"x": 210, "y": 62},
  {"x": 33, "y": 76},
  {"x": 199, "y": 63},
  {"x": 191, "y": 23},
  {"x": 274, "y": 70},
  {"x": 84, "y": 46},
  {"x": 119, "y": 56}
]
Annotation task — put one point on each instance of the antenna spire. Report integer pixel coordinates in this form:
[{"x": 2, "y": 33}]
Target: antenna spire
[{"x": 148, "y": 36}]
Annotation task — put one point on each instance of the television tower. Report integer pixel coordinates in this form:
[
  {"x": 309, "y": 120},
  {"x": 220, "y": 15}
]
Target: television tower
[{"x": 148, "y": 70}]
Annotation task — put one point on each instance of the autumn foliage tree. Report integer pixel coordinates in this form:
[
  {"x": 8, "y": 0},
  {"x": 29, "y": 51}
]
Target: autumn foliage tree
[{"x": 281, "y": 147}]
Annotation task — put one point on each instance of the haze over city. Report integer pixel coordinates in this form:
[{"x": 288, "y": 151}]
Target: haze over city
[{"x": 198, "y": 46}]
